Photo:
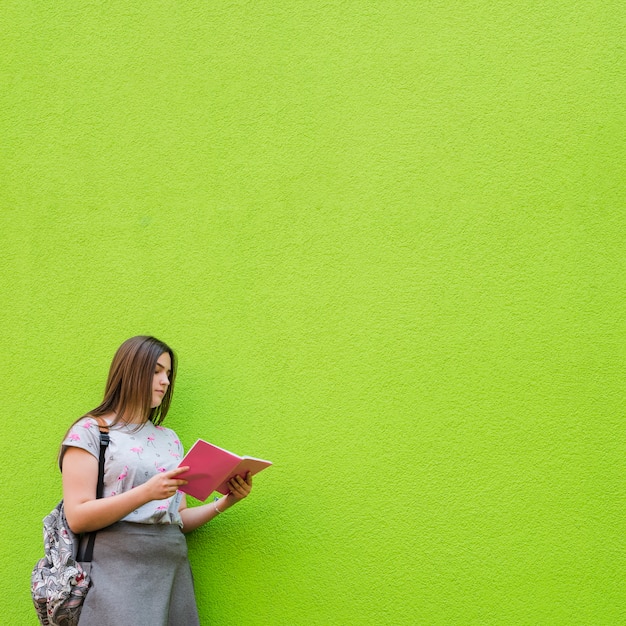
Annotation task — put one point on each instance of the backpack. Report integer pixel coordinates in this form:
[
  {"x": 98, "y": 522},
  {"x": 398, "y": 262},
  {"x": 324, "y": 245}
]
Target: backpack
[
  {"x": 59, "y": 583},
  {"x": 60, "y": 580}
]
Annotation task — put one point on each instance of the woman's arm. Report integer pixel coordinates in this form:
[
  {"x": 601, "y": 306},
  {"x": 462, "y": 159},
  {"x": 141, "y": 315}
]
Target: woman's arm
[
  {"x": 85, "y": 513},
  {"x": 196, "y": 516}
]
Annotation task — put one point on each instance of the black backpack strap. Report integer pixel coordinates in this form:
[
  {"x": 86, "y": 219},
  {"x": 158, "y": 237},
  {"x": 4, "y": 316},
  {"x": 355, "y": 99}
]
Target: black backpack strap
[{"x": 104, "y": 442}]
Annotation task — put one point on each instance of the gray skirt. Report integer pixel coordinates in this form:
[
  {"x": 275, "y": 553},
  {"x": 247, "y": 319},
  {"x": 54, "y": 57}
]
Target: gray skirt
[{"x": 140, "y": 576}]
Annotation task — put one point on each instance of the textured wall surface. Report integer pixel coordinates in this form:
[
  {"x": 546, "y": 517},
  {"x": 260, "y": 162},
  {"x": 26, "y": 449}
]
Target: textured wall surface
[{"x": 387, "y": 241}]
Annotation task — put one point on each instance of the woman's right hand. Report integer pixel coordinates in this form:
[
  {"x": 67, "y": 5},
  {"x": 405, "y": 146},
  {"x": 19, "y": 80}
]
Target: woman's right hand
[{"x": 165, "y": 484}]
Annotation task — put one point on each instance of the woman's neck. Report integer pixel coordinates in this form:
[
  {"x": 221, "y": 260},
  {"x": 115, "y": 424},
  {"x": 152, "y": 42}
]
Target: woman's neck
[{"x": 113, "y": 417}]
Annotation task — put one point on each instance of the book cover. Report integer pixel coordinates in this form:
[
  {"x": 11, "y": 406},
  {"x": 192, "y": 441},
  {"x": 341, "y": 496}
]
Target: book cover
[{"x": 211, "y": 467}]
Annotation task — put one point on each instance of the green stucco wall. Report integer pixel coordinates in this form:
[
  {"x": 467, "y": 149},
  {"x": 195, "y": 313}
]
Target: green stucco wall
[{"x": 387, "y": 242}]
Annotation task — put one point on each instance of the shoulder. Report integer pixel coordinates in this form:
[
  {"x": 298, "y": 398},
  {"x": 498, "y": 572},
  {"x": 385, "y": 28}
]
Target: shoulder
[
  {"x": 167, "y": 432},
  {"x": 169, "y": 435},
  {"x": 86, "y": 431},
  {"x": 83, "y": 434},
  {"x": 85, "y": 426}
]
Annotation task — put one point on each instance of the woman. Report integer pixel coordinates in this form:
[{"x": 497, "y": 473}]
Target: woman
[{"x": 140, "y": 573}]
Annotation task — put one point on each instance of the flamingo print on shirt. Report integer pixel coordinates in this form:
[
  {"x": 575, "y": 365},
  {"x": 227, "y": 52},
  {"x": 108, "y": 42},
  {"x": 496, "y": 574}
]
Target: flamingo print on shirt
[
  {"x": 121, "y": 477},
  {"x": 132, "y": 458}
]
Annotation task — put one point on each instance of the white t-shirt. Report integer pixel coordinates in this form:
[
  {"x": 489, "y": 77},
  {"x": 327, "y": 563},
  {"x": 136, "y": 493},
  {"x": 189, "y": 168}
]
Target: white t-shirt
[{"x": 131, "y": 459}]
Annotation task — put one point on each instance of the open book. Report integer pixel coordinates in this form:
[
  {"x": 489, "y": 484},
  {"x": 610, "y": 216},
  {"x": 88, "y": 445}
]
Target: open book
[{"x": 210, "y": 469}]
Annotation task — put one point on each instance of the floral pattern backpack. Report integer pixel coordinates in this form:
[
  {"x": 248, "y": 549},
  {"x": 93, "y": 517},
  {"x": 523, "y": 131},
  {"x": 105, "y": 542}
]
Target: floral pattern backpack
[{"x": 60, "y": 580}]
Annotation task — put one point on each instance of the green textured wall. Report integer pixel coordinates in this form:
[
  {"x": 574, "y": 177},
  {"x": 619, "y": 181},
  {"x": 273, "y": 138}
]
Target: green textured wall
[{"x": 387, "y": 241}]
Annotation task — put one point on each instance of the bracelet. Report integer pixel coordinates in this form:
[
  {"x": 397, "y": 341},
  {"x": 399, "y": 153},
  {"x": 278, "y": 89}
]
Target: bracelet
[{"x": 215, "y": 507}]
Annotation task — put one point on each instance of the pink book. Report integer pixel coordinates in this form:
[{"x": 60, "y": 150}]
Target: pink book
[{"x": 210, "y": 469}]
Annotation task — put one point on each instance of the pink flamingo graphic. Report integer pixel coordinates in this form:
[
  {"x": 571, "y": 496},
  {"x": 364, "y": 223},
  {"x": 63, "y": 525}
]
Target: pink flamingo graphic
[
  {"x": 160, "y": 468},
  {"x": 87, "y": 425},
  {"x": 176, "y": 456},
  {"x": 122, "y": 476},
  {"x": 138, "y": 450},
  {"x": 160, "y": 427},
  {"x": 162, "y": 507},
  {"x": 151, "y": 441},
  {"x": 73, "y": 437}
]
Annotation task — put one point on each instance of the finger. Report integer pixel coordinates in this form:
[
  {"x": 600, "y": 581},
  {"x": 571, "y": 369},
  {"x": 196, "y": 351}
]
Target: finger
[
  {"x": 241, "y": 490},
  {"x": 243, "y": 487},
  {"x": 178, "y": 470},
  {"x": 235, "y": 487},
  {"x": 249, "y": 478}
]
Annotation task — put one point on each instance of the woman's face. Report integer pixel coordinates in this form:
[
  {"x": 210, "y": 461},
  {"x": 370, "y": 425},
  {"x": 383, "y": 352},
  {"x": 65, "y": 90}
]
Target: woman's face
[{"x": 161, "y": 379}]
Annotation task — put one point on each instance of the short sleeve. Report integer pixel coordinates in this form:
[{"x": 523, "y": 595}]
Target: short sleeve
[
  {"x": 84, "y": 434},
  {"x": 179, "y": 445}
]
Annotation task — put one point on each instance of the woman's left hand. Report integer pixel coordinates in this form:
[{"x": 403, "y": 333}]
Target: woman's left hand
[{"x": 240, "y": 488}]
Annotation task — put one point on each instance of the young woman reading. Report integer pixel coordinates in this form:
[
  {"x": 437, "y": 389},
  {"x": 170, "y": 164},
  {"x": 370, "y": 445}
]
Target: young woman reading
[{"x": 140, "y": 572}]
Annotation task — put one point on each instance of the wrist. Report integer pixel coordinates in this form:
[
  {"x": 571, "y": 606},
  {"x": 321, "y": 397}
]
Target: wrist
[
  {"x": 143, "y": 491},
  {"x": 220, "y": 505},
  {"x": 227, "y": 501}
]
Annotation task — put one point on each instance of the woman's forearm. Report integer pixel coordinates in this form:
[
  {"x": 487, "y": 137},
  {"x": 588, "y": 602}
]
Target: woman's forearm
[
  {"x": 198, "y": 515},
  {"x": 96, "y": 514}
]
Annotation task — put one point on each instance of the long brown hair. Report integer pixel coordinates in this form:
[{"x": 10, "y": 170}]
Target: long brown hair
[{"x": 128, "y": 392}]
